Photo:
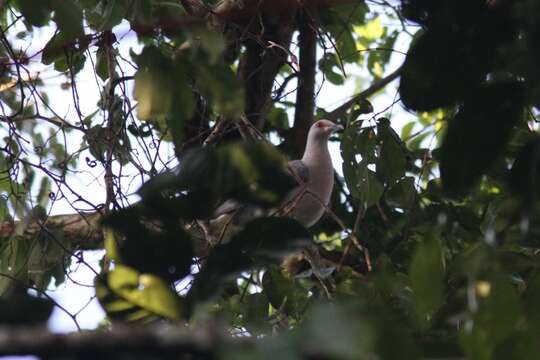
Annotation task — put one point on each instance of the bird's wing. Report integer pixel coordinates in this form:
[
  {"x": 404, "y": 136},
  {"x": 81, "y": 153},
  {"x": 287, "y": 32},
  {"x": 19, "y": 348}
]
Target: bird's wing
[
  {"x": 227, "y": 207},
  {"x": 300, "y": 173},
  {"x": 299, "y": 170}
]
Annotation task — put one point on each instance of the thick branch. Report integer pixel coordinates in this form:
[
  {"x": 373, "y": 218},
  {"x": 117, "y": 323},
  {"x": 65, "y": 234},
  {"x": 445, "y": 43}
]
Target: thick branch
[
  {"x": 161, "y": 341},
  {"x": 134, "y": 341},
  {"x": 81, "y": 230},
  {"x": 260, "y": 62},
  {"x": 305, "y": 95},
  {"x": 233, "y": 10}
]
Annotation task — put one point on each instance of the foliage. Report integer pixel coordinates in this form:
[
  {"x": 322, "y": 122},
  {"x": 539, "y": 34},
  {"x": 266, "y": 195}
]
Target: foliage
[{"x": 430, "y": 249}]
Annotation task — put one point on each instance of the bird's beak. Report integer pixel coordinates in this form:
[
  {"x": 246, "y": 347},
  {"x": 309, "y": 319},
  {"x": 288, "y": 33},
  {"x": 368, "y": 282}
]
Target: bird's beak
[{"x": 337, "y": 128}]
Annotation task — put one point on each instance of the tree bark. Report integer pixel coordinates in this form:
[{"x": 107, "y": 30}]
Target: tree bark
[
  {"x": 133, "y": 342},
  {"x": 82, "y": 230},
  {"x": 261, "y": 62},
  {"x": 233, "y": 10},
  {"x": 305, "y": 94}
]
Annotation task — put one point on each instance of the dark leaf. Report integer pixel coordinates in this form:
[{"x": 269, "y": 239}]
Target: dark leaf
[
  {"x": 525, "y": 172},
  {"x": 478, "y": 134},
  {"x": 284, "y": 294},
  {"x": 163, "y": 92},
  {"x": 36, "y": 15},
  {"x": 402, "y": 194},
  {"x": 102, "y": 68},
  {"x": 392, "y": 160},
  {"x": 361, "y": 181},
  {"x": 261, "y": 241},
  {"x": 429, "y": 82},
  {"x": 426, "y": 272},
  {"x": 69, "y": 18},
  {"x": 24, "y": 309},
  {"x": 255, "y": 312},
  {"x": 158, "y": 247},
  {"x": 55, "y": 49}
]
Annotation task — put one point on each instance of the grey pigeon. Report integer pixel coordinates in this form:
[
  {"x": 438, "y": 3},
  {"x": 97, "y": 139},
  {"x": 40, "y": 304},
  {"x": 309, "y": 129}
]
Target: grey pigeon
[
  {"x": 315, "y": 174},
  {"x": 315, "y": 169}
]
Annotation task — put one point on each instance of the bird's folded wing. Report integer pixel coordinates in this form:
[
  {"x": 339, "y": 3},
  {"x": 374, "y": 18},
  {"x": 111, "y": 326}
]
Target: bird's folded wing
[
  {"x": 227, "y": 207},
  {"x": 299, "y": 170}
]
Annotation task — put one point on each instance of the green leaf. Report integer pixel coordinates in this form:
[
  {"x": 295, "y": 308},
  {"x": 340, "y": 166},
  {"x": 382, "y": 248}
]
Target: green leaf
[
  {"x": 128, "y": 295},
  {"x": 365, "y": 144},
  {"x": 69, "y": 18},
  {"x": 328, "y": 65},
  {"x": 402, "y": 194},
  {"x": 54, "y": 49},
  {"x": 162, "y": 91},
  {"x": 14, "y": 253},
  {"x": 48, "y": 257},
  {"x": 24, "y": 309},
  {"x": 478, "y": 134},
  {"x": 354, "y": 331},
  {"x": 36, "y": 15},
  {"x": 426, "y": 272},
  {"x": 107, "y": 14},
  {"x": 73, "y": 61},
  {"x": 4, "y": 210},
  {"x": 496, "y": 320},
  {"x": 392, "y": 160},
  {"x": 361, "y": 181},
  {"x": 163, "y": 248},
  {"x": 284, "y": 294},
  {"x": 102, "y": 68},
  {"x": 96, "y": 138},
  {"x": 338, "y": 21},
  {"x": 279, "y": 118},
  {"x": 255, "y": 313},
  {"x": 220, "y": 86},
  {"x": 406, "y": 130}
]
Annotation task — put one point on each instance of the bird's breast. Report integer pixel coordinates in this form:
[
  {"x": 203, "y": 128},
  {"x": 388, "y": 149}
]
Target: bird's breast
[{"x": 310, "y": 208}]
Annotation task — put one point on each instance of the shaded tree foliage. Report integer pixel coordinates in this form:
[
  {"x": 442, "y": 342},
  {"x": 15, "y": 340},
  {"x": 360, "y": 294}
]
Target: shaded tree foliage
[{"x": 427, "y": 250}]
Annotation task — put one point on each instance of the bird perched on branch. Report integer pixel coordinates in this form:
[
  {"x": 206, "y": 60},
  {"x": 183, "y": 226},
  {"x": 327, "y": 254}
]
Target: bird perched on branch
[
  {"x": 316, "y": 172},
  {"x": 306, "y": 203}
]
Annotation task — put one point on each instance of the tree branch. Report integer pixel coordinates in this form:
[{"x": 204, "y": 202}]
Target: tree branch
[
  {"x": 81, "y": 230},
  {"x": 260, "y": 63},
  {"x": 305, "y": 95},
  {"x": 342, "y": 109},
  {"x": 135, "y": 341},
  {"x": 233, "y": 10}
]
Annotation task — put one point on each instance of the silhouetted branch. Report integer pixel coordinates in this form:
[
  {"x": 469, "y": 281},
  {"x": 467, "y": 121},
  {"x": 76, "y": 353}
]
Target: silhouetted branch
[
  {"x": 305, "y": 96},
  {"x": 135, "y": 341},
  {"x": 342, "y": 109}
]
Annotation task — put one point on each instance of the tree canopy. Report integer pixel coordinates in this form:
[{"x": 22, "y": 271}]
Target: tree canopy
[{"x": 428, "y": 248}]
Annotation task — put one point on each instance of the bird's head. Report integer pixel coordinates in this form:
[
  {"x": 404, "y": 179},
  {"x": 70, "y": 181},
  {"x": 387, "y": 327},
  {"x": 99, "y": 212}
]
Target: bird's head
[{"x": 322, "y": 129}]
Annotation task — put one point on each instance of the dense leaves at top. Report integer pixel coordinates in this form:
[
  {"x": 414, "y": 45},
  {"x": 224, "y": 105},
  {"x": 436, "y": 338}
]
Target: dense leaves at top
[{"x": 431, "y": 246}]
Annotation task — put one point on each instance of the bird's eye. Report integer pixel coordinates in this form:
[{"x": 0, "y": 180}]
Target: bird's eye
[{"x": 319, "y": 125}]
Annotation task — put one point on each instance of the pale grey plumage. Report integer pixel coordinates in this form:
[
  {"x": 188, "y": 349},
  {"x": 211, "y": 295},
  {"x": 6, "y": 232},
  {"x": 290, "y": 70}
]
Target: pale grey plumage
[{"x": 316, "y": 163}]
